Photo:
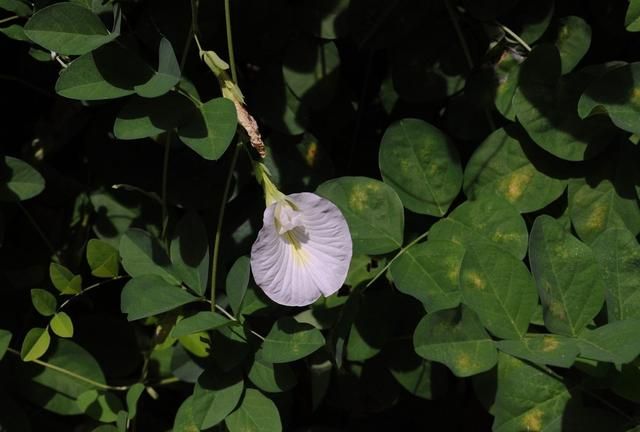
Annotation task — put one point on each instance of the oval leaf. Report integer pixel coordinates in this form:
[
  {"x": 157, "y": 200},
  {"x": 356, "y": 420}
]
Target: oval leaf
[
  {"x": 422, "y": 164},
  {"x": 456, "y": 338},
  {"x": 256, "y": 413},
  {"x": 372, "y": 209},
  {"x": 290, "y": 340},
  {"x": 202, "y": 321},
  {"x": 67, "y": 28},
  {"x": 62, "y": 325},
  {"x": 19, "y": 181},
  {"x": 35, "y": 344},
  {"x": 568, "y": 278},
  {"x": 149, "y": 295},
  {"x": 43, "y": 301}
]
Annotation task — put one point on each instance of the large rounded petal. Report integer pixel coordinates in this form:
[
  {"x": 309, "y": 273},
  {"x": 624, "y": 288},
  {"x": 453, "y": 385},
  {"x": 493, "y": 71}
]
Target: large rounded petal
[{"x": 297, "y": 267}]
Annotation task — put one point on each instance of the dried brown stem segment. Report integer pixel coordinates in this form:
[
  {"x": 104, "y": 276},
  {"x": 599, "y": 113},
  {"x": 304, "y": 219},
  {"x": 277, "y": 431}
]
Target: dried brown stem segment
[{"x": 250, "y": 125}]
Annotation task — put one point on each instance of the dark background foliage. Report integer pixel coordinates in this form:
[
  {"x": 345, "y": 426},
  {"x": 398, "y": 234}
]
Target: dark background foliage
[{"x": 504, "y": 92}]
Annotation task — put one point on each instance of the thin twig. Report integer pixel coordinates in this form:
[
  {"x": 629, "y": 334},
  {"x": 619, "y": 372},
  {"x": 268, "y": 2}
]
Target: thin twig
[
  {"x": 517, "y": 38},
  {"x": 8, "y": 19},
  {"x": 403, "y": 250},
  {"x": 73, "y": 374},
  {"x": 41, "y": 233},
  {"x": 89, "y": 288}
]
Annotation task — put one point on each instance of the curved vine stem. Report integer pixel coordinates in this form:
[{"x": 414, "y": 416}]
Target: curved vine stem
[
  {"x": 73, "y": 374},
  {"x": 515, "y": 37},
  {"x": 218, "y": 235},
  {"x": 90, "y": 288}
]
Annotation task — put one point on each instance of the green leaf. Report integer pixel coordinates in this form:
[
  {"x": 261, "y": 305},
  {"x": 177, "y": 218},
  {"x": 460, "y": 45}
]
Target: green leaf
[
  {"x": 605, "y": 198},
  {"x": 499, "y": 288},
  {"x": 311, "y": 70},
  {"x": 507, "y": 71},
  {"x": 35, "y": 344},
  {"x": 616, "y": 342},
  {"x": 618, "y": 253},
  {"x": 419, "y": 377},
  {"x": 211, "y": 129},
  {"x": 57, "y": 391},
  {"x": 237, "y": 283},
  {"x": 632, "y": 17},
  {"x": 103, "y": 259},
  {"x": 573, "y": 40},
  {"x": 290, "y": 340},
  {"x": 64, "y": 280},
  {"x": 184, "y": 420},
  {"x": 536, "y": 17},
  {"x": 546, "y": 107},
  {"x": 102, "y": 406},
  {"x": 510, "y": 164},
  {"x": 546, "y": 349},
  {"x": 18, "y": 7},
  {"x": 62, "y": 325},
  {"x": 528, "y": 398},
  {"x": 422, "y": 164},
  {"x": 201, "y": 321},
  {"x": 19, "y": 181},
  {"x": 369, "y": 333},
  {"x": 67, "y": 29},
  {"x": 256, "y": 413},
  {"x": 133, "y": 396},
  {"x": 568, "y": 278},
  {"x": 166, "y": 77},
  {"x": 5, "y": 339},
  {"x": 272, "y": 378},
  {"x": 372, "y": 209},
  {"x": 143, "y": 255},
  {"x": 456, "y": 338},
  {"x": 143, "y": 118},
  {"x": 215, "y": 396},
  {"x": 43, "y": 301},
  {"x": 148, "y": 295},
  {"x": 190, "y": 252},
  {"x": 616, "y": 93},
  {"x": 487, "y": 219},
  {"x": 198, "y": 344},
  {"x": 15, "y": 32},
  {"x": 110, "y": 72}
]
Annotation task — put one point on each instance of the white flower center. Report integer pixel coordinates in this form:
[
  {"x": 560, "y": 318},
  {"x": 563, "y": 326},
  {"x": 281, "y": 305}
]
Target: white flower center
[{"x": 287, "y": 218}]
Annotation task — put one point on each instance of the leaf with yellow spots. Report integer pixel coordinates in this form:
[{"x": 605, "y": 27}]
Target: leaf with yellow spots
[
  {"x": 510, "y": 164},
  {"x": 618, "y": 252},
  {"x": 546, "y": 349},
  {"x": 545, "y": 105},
  {"x": 429, "y": 272},
  {"x": 456, "y": 338},
  {"x": 528, "y": 398},
  {"x": 573, "y": 40},
  {"x": 488, "y": 219},
  {"x": 422, "y": 164},
  {"x": 499, "y": 288},
  {"x": 606, "y": 198},
  {"x": 372, "y": 209},
  {"x": 568, "y": 278}
]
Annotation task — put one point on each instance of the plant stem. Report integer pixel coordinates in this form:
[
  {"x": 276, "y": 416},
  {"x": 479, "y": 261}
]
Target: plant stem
[
  {"x": 232, "y": 58},
  {"x": 72, "y": 374},
  {"x": 517, "y": 38},
  {"x": 44, "y": 238},
  {"x": 232, "y": 318},
  {"x": 193, "y": 29},
  {"x": 89, "y": 288},
  {"x": 218, "y": 235},
  {"x": 165, "y": 176},
  {"x": 187, "y": 95},
  {"x": 466, "y": 51},
  {"x": 7, "y": 19},
  {"x": 403, "y": 250}
]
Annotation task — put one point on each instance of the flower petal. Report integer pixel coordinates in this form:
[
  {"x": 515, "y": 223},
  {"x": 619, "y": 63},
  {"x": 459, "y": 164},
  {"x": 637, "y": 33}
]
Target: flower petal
[{"x": 297, "y": 267}]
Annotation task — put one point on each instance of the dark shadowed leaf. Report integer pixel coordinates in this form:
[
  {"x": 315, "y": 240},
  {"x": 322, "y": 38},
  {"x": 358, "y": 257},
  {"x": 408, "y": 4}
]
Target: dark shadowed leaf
[
  {"x": 19, "y": 181},
  {"x": 290, "y": 340},
  {"x": 190, "y": 252}
]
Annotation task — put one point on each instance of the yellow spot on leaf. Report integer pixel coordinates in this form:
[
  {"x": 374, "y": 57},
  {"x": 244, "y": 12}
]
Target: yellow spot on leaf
[
  {"x": 514, "y": 186},
  {"x": 549, "y": 343},
  {"x": 532, "y": 421},
  {"x": 358, "y": 198},
  {"x": 635, "y": 96},
  {"x": 476, "y": 280},
  {"x": 463, "y": 361},
  {"x": 557, "y": 310},
  {"x": 597, "y": 218},
  {"x": 311, "y": 154}
]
